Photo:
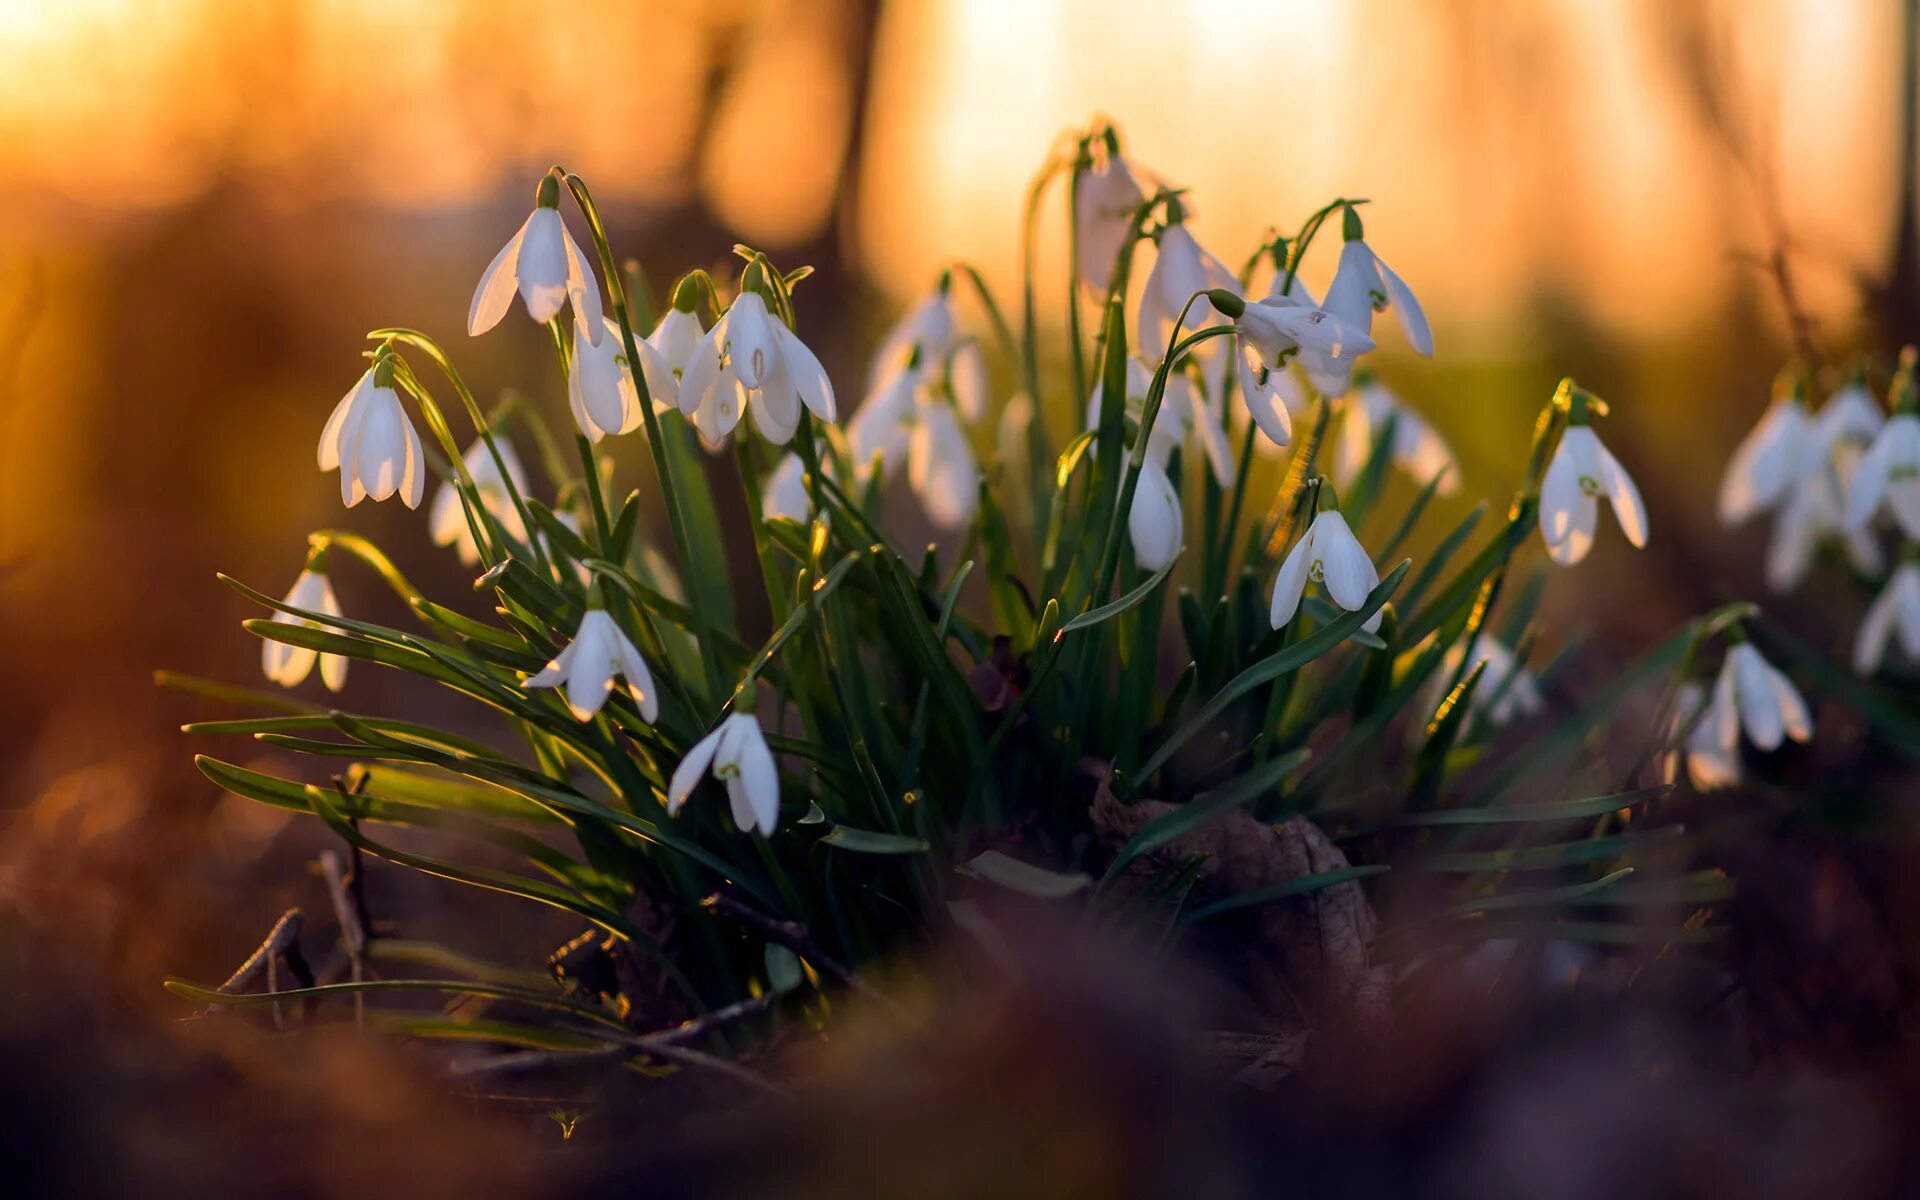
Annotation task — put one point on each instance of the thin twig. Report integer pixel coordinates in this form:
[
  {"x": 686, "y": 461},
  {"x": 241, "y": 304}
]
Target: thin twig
[
  {"x": 794, "y": 936},
  {"x": 353, "y": 934}
]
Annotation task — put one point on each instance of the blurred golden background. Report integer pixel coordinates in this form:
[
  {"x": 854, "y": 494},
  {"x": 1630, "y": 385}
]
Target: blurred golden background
[{"x": 204, "y": 204}]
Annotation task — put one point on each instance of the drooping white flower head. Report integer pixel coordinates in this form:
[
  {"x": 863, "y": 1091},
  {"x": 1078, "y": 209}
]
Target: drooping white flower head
[
  {"x": 587, "y": 665},
  {"x": 1889, "y": 474},
  {"x": 785, "y": 494},
  {"x": 881, "y": 430},
  {"x": 542, "y": 263},
  {"x": 1105, "y": 198},
  {"x": 737, "y": 753},
  {"x": 1364, "y": 284},
  {"x": 1181, "y": 268},
  {"x": 927, "y": 340},
  {"x": 370, "y": 441},
  {"x": 1769, "y": 461},
  {"x": 447, "y": 519},
  {"x": 1812, "y": 513},
  {"x": 1269, "y": 334},
  {"x": 940, "y": 465},
  {"x": 1751, "y": 694},
  {"x": 1183, "y": 419},
  {"x": 675, "y": 339},
  {"x": 1418, "y": 449},
  {"x": 1696, "y": 735},
  {"x": 1895, "y": 611},
  {"x": 1327, "y": 554},
  {"x": 1849, "y": 417},
  {"x": 1507, "y": 690},
  {"x": 601, "y": 389},
  {"x": 1581, "y": 473},
  {"x": 751, "y": 359},
  {"x": 1155, "y": 523},
  {"x": 288, "y": 665}
]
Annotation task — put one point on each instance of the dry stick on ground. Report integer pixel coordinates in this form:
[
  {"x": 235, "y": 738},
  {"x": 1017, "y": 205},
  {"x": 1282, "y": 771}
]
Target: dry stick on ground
[
  {"x": 667, "y": 1044},
  {"x": 282, "y": 945},
  {"x": 353, "y": 934},
  {"x": 794, "y": 936}
]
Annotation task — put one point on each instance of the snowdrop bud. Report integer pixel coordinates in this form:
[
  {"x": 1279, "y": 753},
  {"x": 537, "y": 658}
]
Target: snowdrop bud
[
  {"x": 544, "y": 265},
  {"x": 370, "y": 441},
  {"x": 1896, "y": 611},
  {"x": 1850, "y": 417},
  {"x": 447, "y": 519},
  {"x": 737, "y": 753},
  {"x": 1752, "y": 695},
  {"x": 1581, "y": 472},
  {"x": 1105, "y": 197},
  {"x": 1327, "y": 554},
  {"x": 288, "y": 665},
  {"x": 1155, "y": 522},
  {"x": 587, "y": 665},
  {"x": 785, "y": 494}
]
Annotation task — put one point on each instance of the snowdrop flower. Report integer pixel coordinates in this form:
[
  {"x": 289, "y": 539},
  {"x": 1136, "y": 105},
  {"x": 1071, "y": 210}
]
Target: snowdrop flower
[
  {"x": 1105, "y": 197},
  {"x": 447, "y": 519},
  {"x": 288, "y": 665},
  {"x": 736, "y": 752},
  {"x": 1889, "y": 474},
  {"x": 1327, "y": 554},
  {"x": 785, "y": 494},
  {"x": 927, "y": 339},
  {"x": 1269, "y": 334},
  {"x": 369, "y": 440},
  {"x": 545, "y": 266},
  {"x": 1582, "y": 471},
  {"x": 1184, "y": 417},
  {"x": 1364, "y": 284},
  {"x": 1895, "y": 611},
  {"x": 674, "y": 340},
  {"x": 1752, "y": 695},
  {"x": 1507, "y": 690},
  {"x": 587, "y": 665},
  {"x": 750, "y": 357},
  {"x": 1155, "y": 523},
  {"x": 1848, "y": 418},
  {"x": 1812, "y": 513},
  {"x": 940, "y": 464},
  {"x": 881, "y": 431},
  {"x": 1712, "y": 762},
  {"x": 1769, "y": 460},
  {"x": 600, "y": 387},
  {"x": 1417, "y": 448},
  {"x": 1180, "y": 269}
]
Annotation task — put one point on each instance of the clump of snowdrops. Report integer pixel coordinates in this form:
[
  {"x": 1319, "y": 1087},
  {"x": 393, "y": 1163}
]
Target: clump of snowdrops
[{"x": 1170, "y": 618}]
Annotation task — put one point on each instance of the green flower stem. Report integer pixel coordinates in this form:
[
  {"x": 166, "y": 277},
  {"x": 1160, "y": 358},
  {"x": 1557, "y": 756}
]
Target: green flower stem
[
  {"x": 662, "y": 465},
  {"x": 481, "y": 425},
  {"x": 1109, "y": 560},
  {"x": 1081, "y": 162},
  {"x": 492, "y": 552}
]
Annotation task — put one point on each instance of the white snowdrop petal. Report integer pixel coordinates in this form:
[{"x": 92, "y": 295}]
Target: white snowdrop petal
[
  {"x": 1870, "y": 643},
  {"x": 498, "y": 282},
  {"x": 1628, "y": 509},
  {"x": 1291, "y": 582},
  {"x": 687, "y": 775},
  {"x": 752, "y": 346},
  {"x": 1405, "y": 307},
  {"x": 583, "y": 289},
  {"x": 1350, "y": 574},
  {"x": 808, "y": 376}
]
